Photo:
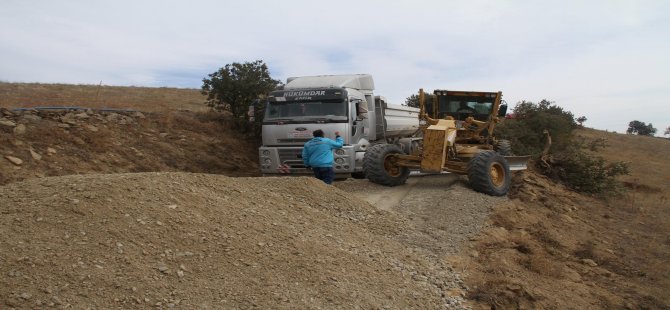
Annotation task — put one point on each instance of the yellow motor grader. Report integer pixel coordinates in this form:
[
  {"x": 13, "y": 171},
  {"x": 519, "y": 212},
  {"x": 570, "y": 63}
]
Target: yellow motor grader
[{"x": 456, "y": 136}]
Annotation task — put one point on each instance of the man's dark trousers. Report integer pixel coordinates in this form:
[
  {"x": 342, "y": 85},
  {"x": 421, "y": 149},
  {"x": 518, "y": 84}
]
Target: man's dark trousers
[{"x": 325, "y": 174}]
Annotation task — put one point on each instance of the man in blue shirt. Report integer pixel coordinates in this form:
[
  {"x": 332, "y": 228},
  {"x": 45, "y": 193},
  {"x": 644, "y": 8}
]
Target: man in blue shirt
[{"x": 318, "y": 154}]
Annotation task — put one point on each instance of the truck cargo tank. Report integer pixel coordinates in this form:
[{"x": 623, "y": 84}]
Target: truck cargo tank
[{"x": 400, "y": 121}]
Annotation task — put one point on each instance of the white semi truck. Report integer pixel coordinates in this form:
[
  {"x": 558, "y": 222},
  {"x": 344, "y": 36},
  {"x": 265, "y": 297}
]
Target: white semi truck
[{"x": 344, "y": 103}]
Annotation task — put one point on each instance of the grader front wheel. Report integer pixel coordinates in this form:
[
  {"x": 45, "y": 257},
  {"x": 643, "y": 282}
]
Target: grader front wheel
[
  {"x": 380, "y": 166},
  {"x": 489, "y": 173}
]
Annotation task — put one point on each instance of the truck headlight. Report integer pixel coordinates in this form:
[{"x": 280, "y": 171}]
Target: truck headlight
[
  {"x": 339, "y": 161},
  {"x": 266, "y": 152},
  {"x": 339, "y": 152}
]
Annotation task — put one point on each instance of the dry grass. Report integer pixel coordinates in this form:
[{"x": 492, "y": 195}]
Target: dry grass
[
  {"x": 645, "y": 204},
  {"x": 648, "y": 166},
  {"x": 533, "y": 256},
  {"x": 22, "y": 95},
  {"x": 543, "y": 265},
  {"x": 501, "y": 293}
]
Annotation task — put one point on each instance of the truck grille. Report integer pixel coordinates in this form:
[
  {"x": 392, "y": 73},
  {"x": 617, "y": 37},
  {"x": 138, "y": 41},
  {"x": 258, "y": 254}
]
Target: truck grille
[{"x": 291, "y": 157}]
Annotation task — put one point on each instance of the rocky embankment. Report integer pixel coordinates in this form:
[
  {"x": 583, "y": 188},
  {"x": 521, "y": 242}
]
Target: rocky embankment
[{"x": 38, "y": 143}]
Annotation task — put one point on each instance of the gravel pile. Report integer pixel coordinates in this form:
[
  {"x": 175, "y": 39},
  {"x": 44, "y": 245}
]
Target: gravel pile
[{"x": 180, "y": 240}]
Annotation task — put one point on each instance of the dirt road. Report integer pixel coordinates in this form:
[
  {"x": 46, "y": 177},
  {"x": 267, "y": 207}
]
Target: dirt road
[{"x": 445, "y": 211}]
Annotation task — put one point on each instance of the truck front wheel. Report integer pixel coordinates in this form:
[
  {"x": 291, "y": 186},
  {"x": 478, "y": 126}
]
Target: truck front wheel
[
  {"x": 380, "y": 165},
  {"x": 488, "y": 173}
]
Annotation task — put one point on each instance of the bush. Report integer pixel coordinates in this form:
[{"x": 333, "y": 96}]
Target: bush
[
  {"x": 235, "y": 86},
  {"x": 569, "y": 162},
  {"x": 527, "y": 123},
  {"x": 587, "y": 173},
  {"x": 581, "y": 121},
  {"x": 640, "y": 128}
]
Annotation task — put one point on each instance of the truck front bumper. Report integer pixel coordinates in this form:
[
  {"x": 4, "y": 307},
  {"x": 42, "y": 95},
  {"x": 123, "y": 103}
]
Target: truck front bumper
[{"x": 288, "y": 160}]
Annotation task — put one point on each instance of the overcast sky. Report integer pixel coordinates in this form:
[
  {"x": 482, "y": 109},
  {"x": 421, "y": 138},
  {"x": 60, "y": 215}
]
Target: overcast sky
[{"x": 606, "y": 60}]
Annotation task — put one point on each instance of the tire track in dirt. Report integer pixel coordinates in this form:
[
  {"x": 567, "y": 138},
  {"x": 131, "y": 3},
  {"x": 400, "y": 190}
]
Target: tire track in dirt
[{"x": 387, "y": 198}]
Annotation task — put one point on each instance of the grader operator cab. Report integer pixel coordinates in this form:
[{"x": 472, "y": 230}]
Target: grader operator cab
[
  {"x": 456, "y": 137},
  {"x": 475, "y": 115}
]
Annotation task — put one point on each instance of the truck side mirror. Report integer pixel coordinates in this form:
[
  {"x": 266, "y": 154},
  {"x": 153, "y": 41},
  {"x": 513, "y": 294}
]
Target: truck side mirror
[
  {"x": 361, "y": 109},
  {"x": 502, "y": 111}
]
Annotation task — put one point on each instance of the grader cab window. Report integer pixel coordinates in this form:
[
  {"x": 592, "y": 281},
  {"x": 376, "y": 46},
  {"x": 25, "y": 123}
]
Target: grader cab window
[{"x": 461, "y": 108}]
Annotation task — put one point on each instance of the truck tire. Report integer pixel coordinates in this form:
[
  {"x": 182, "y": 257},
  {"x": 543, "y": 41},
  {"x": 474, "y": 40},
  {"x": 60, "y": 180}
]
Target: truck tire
[
  {"x": 504, "y": 147},
  {"x": 488, "y": 173},
  {"x": 380, "y": 168}
]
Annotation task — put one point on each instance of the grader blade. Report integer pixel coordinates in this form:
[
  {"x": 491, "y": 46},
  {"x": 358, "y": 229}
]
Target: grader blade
[{"x": 517, "y": 162}]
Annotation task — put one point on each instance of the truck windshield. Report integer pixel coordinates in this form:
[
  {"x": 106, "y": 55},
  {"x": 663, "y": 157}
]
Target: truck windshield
[{"x": 323, "y": 110}]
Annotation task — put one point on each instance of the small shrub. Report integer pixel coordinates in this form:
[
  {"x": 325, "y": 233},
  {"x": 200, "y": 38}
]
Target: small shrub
[
  {"x": 598, "y": 144},
  {"x": 588, "y": 173}
]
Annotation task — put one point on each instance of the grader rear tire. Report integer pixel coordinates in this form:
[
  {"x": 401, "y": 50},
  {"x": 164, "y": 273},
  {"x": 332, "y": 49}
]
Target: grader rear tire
[
  {"x": 504, "y": 148},
  {"x": 488, "y": 173},
  {"x": 380, "y": 167}
]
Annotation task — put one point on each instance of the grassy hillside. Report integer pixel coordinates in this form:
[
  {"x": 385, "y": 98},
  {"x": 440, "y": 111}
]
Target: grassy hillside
[
  {"x": 20, "y": 95},
  {"x": 648, "y": 156}
]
